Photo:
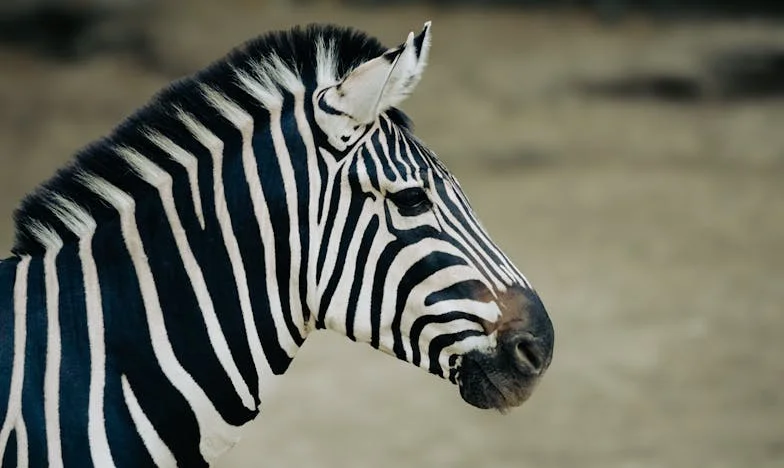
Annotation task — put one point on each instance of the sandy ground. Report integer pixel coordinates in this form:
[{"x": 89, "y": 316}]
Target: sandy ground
[{"x": 653, "y": 231}]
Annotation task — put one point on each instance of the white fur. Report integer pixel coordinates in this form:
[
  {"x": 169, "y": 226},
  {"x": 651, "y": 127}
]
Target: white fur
[
  {"x": 157, "y": 449},
  {"x": 402, "y": 263},
  {"x": 326, "y": 74},
  {"x": 14, "y": 411},
  {"x": 186, "y": 160},
  {"x": 331, "y": 261},
  {"x": 315, "y": 186},
  {"x": 83, "y": 225},
  {"x": 162, "y": 181},
  {"x": 261, "y": 87},
  {"x": 280, "y": 74},
  {"x": 48, "y": 238},
  {"x": 485, "y": 310},
  {"x": 79, "y": 222},
  {"x": 362, "y": 326},
  {"x": 454, "y": 327},
  {"x": 244, "y": 122},
  {"x": 441, "y": 279},
  {"x": 22, "y": 448},
  {"x": 215, "y": 146},
  {"x": 73, "y": 216},
  {"x": 337, "y": 307},
  {"x": 359, "y": 94},
  {"x": 336, "y": 315},
  {"x": 406, "y": 149},
  {"x": 231, "y": 111},
  {"x": 388, "y": 155},
  {"x": 482, "y": 343},
  {"x": 330, "y": 180},
  {"x": 217, "y": 435},
  {"x": 290, "y": 189},
  {"x": 45, "y": 235}
]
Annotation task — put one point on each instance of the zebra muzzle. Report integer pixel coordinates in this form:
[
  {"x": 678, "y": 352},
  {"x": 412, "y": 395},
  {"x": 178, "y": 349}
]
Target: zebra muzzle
[{"x": 506, "y": 376}]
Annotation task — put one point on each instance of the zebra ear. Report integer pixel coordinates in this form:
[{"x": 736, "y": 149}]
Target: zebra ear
[{"x": 382, "y": 82}]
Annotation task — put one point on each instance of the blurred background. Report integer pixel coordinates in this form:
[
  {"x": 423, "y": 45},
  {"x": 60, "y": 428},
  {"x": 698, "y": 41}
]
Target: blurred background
[{"x": 628, "y": 155}]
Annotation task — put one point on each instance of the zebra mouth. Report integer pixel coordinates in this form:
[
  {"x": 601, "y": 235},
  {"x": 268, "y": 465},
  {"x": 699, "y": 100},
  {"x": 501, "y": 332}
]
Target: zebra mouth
[
  {"x": 487, "y": 382},
  {"x": 505, "y": 376}
]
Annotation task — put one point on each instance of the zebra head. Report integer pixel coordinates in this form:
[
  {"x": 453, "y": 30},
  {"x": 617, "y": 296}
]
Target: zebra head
[{"x": 403, "y": 263}]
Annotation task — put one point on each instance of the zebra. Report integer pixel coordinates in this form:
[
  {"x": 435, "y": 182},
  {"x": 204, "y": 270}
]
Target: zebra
[{"x": 164, "y": 280}]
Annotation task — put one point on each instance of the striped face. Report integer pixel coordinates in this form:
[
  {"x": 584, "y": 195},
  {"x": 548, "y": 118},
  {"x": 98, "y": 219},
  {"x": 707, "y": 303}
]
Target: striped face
[
  {"x": 416, "y": 276},
  {"x": 404, "y": 264}
]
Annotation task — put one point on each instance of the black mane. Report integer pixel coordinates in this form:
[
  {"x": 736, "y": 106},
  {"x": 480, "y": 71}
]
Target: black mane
[{"x": 295, "y": 47}]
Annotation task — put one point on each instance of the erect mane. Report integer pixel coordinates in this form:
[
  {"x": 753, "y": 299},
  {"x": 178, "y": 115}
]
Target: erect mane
[{"x": 296, "y": 49}]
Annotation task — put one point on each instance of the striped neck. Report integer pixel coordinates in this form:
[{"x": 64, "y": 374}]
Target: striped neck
[
  {"x": 188, "y": 299},
  {"x": 174, "y": 263}
]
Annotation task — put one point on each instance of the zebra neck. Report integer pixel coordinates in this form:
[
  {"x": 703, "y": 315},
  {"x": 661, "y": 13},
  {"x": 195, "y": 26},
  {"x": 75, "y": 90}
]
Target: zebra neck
[
  {"x": 157, "y": 336},
  {"x": 180, "y": 291}
]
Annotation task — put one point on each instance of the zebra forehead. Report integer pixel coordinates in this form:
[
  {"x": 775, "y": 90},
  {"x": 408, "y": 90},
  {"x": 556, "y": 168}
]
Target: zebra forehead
[{"x": 283, "y": 61}]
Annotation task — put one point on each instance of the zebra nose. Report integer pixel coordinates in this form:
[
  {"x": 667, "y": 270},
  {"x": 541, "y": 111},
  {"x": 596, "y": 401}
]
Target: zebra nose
[{"x": 526, "y": 332}]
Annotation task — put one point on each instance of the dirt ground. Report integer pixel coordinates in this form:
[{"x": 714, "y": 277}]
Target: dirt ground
[{"x": 654, "y": 232}]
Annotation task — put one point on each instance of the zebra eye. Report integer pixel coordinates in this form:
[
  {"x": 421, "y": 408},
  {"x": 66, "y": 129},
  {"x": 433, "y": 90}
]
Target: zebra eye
[{"x": 411, "y": 201}]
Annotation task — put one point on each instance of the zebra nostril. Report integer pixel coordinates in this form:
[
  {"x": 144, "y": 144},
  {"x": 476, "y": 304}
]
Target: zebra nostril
[{"x": 527, "y": 353}]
